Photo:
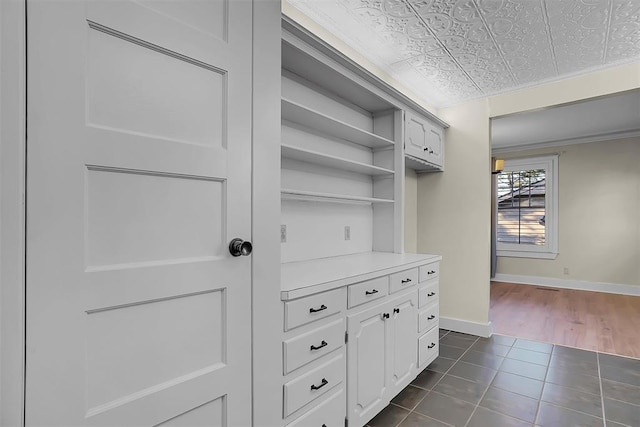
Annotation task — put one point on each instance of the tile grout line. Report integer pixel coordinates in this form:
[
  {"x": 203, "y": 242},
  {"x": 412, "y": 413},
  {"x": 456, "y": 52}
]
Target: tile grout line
[
  {"x": 488, "y": 385},
  {"x": 544, "y": 384},
  {"x": 604, "y": 416},
  {"x": 445, "y": 373}
]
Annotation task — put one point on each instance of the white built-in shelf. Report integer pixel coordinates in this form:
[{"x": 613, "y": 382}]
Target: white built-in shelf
[
  {"x": 310, "y": 156},
  {"x": 302, "y": 278},
  {"x": 289, "y": 194},
  {"x": 307, "y": 117}
]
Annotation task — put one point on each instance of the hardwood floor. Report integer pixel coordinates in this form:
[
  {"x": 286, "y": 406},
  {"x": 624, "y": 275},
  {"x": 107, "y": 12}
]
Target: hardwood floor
[{"x": 589, "y": 320}]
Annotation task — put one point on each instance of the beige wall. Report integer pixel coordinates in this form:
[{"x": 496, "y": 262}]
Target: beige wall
[
  {"x": 599, "y": 223},
  {"x": 454, "y": 214}
]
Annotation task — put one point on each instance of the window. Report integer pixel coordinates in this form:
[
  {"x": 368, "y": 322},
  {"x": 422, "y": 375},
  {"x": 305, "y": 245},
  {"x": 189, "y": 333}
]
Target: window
[{"x": 527, "y": 223}]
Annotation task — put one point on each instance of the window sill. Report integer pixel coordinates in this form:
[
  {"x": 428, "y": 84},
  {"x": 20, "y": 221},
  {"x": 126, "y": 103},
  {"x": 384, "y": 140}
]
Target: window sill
[{"x": 527, "y": 254}]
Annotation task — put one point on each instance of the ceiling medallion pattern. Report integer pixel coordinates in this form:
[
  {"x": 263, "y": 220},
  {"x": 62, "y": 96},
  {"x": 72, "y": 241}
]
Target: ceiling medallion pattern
[{"x": 449, "y": 51}]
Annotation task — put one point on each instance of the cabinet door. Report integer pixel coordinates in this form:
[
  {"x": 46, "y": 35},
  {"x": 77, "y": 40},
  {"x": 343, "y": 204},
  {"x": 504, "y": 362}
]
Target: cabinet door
[
  {"x": 433, "y": 148},
  {"x": 404, "y": 347},
  {"x": 415, "y": 136},
  {"x": 367, "y": 363}
]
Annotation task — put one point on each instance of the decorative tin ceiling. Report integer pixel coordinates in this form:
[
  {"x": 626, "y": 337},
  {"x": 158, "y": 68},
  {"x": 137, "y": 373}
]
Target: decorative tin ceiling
[{"x": 448, "y": 51}]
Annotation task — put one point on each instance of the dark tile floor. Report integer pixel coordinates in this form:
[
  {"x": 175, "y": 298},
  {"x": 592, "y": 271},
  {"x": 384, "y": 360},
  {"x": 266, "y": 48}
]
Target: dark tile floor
[{"x": 503, "y": 381}]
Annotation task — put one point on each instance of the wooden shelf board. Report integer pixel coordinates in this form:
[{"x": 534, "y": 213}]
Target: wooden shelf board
[
  {"x": 296, "y": 113},
  {"x": 335, "y": 162},
  {"x": 289, "y": 194}
]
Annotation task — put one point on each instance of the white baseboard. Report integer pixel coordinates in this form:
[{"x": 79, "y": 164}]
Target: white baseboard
[
  {"x": 581, "y": 285},
  {"x": 466, "y": 326}
]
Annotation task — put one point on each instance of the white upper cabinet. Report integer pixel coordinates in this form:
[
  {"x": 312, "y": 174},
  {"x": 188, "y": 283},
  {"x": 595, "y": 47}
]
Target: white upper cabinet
[{"x": 423, "y": 143}]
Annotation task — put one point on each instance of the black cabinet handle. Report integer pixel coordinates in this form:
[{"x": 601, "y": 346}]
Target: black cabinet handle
[
  {"x": 385, "y": 316},
  {"x": 431, "y": 272},
  {"x": 430, "y": 294},
  {"x": 315, "y": 310},
  {"x": 431, "y": 345},
  {"x": 396, "y": 310},
  {"x": 405, "y": 281},
  {"x": 375, "y": 291},
  {"x": 322, "y": 344},
  {"x": 324, "y": 383},
  {"x": 425, "y": 149},
  {"x": 430, "y": 151},
  {"x": 431, "y": 317}
]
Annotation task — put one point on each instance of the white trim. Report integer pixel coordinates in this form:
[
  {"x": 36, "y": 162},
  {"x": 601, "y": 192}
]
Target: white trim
[
  {"x": 522, "y": 254},
  {"x": 582, "y": 285},
  {"x": 550, "y": 164},
  {"x": 610, "y": 136},
  {"x": 265, "y": 228},
  {"x": 12, "y": 214},
  {"x": 466, "y": 326}
]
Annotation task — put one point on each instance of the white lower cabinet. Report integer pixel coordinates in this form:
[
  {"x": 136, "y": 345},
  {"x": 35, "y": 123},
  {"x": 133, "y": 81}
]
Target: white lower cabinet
[
  {"x": 381, "y": 355},
  {"x": 389, "y": 322}
]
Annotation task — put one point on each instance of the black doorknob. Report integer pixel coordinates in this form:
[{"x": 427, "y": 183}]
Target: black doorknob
[{"x": 239, "y": 247}]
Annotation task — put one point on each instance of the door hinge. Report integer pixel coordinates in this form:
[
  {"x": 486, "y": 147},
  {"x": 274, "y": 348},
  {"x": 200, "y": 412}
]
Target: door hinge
[{"x": 346, "y": 337}]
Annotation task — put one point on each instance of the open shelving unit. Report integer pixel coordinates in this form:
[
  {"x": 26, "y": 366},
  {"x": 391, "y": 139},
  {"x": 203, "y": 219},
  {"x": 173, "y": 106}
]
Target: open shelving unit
[{"x": 342, "y": 165}]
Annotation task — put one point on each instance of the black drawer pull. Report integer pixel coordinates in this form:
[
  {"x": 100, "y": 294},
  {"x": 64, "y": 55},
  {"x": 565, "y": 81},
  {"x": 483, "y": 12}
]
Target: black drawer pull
[
  {"x": 433, "y": 316},
  {"x": 396, "y": 310},
  {"x": 430, "y": 346},
  {"x": 324, "y": 383},
  {"x": 322, "y": 344},
  {"x": 385, "y": 316},
  {"x": 430, "y": 294},
  {"x": 405, "y": 281},
  {"x": 315, "y": 310},
  {"x": 431, "y": 272},
  {"x": 375, "y": 291}
]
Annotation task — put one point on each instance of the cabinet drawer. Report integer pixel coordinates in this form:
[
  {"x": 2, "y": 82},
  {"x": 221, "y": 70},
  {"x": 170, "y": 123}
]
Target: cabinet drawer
[
  {"x": 312, "y": 308},
  {"x": 428, "y": 346},
  {"x": 403, "y": 280},
  {"x": 305, "y": 348},
  {"x": 305, "y": 388},
  {"x": 429, "y": 271},
  {"x": 367, "y": 291},
  {"x": 428, "y": 295},
  {"x": 330, "y": 413},
  {"x": 428, "y": 318}
]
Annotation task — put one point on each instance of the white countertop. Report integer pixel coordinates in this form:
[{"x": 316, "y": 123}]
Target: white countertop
[{"x": 303, "y": 278}]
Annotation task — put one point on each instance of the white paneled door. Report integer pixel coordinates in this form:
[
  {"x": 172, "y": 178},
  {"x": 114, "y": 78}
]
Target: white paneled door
[{"x": 139, "y": 169}]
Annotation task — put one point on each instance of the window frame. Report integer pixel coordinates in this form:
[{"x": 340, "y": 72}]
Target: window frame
[{"x": 550, "y": 249}]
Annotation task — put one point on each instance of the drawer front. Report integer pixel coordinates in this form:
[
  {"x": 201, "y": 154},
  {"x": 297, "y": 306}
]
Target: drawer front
[
  {"x": 428, "y": 318},
  {"x": 312, "y": 308},
  {"x": 330, "y": 413},
  {"x": 430, "y": 271},
  {"x": 305, "y": 348},
  {"x": 428, "y": 295},
  {"x": 428, "y": 347},
  {"x": 305, "y": 388},
  {"x": 367, "y": 291},
  {"x": 402, "y": 280}
]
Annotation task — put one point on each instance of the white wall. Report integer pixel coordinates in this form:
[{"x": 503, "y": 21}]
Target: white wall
[{"x": 599, "y": 226}]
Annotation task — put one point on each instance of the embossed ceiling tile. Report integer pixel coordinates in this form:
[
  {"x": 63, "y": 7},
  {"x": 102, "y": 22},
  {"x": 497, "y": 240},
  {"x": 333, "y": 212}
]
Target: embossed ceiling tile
[
  {"x": 520, "y": 32},
  {"x": 578, "y": 30},
  {"x": 624, "y": 34}
]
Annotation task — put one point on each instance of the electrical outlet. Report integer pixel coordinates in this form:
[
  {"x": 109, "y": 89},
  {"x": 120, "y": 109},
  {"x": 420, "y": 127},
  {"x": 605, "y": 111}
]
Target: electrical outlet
[
  {"x": 566, "y": 270},
  {"x": 347, "y": 232},
  {"x": 283, "y": 233}
]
